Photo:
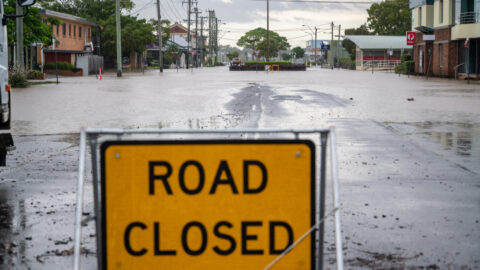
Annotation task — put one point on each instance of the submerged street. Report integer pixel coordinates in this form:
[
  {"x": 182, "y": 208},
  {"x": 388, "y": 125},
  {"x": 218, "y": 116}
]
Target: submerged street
[{"x": 408, "y": 151}]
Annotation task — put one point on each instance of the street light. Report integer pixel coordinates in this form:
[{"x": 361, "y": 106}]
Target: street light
[
  {"x": 315, "y": 39},
  {"x": 311, "y": 35}
]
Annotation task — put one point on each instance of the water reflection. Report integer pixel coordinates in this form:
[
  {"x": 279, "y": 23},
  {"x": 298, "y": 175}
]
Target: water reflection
[
  {"x": 459, "y": 142},
  {"x": 13, "y": 221},
  {"x": 460, "y": 139}
]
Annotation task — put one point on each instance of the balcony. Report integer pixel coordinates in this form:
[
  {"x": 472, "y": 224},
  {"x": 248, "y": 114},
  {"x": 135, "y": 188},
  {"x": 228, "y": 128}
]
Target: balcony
[{"x": 468, "y": 17}]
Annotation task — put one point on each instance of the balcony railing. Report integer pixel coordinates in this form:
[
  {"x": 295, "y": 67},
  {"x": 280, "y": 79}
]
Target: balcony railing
[{"x": 468, "y": 17}]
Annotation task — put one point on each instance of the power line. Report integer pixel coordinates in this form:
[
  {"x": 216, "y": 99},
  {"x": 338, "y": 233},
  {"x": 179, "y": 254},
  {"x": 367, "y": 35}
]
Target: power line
[
  {"x": 142, "y": 8},
  {"x": 174, "y": 8},
  {"x": 321, "y": 1}
]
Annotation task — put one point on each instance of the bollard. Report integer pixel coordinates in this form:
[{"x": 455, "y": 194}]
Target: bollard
[{"x": 100, "y": 73}]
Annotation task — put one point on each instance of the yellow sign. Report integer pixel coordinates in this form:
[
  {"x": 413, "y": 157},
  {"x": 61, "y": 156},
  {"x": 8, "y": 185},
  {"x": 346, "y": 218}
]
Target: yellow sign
[{"x": 207, "y": 204}]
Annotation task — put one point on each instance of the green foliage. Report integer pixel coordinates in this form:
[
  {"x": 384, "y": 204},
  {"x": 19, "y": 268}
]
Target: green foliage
[
  {"x": 405, "y": 57},
  {"x": 167, "y": 60},
  {"x": 256, "y": 39},
  {"x": 232, "y": 55},
  {"x": 347, "y": 63},
  {"x": 34, "y": 75},
  {"x": 17, "y": 79},
  {"x": 286, "y": 56},
  {"x": 390, "y": 18},
  {"x": 34, "y": 29},
  {"x": 165, "y": 30},
  {"x": 61, "y": 66},
  {"x": 406, "y": 65},
  {"x": 263, "y": 63},
  {"x": 299, "y": 52},
  {"x": 136, "y": 33}
]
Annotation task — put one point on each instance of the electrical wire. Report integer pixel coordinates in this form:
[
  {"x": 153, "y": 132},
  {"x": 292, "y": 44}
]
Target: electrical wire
[
  {"x": 142, "y": 8},
  {"x": 321, "y": 1}
]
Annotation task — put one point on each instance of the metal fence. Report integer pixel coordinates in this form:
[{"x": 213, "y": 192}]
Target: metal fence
[{"x": 95, "y": 136}]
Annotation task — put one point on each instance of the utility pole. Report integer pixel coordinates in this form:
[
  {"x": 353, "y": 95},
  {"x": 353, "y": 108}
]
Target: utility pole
[
  {"x": 160, "y": 45},
  {"x": 331, "y": 48},
  {"x": 216, "y": 40},
  {"x": 196, "y": 36},
  {"x": 189, "y": 38},
  {"x": 119, "y": 39},
  {"x": 315, "y": 46},
  {"x": 19, "y": 11},
  {"x": 338, "y": 42},
  {"x": 211, "y": 33},
  {"x": 202, "y": 39},
  {"x": 268, "y": 31}
]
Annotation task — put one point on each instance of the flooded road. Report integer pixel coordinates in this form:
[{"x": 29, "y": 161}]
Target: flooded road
[{"x": 409, "y": 155}]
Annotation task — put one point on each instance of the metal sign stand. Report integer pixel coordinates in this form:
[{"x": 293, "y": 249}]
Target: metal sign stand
[{"x": 93, "y": 135}]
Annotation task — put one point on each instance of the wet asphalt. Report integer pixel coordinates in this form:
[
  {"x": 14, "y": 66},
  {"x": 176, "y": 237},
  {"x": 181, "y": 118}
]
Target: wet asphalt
[{"x": 408, "y": 150}]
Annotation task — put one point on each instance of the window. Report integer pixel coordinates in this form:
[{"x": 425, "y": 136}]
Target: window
[
  {"x": 74, "y": 30},
  {"x": 58, "y": 26},
  {"x": 79, "y": 31},
  {"x": 440, "y": 52},
  {"x": 64, "y": 29},
  {"x": 420, "y": 16},
  {"x": 69, "y": 29},
  {"x": 441, "y": 11}
]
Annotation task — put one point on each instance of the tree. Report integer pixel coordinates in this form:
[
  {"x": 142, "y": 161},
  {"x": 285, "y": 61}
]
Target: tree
[
  {"x": 349, "y": 46},
  {"x": 34, "y": 29},
  {"x": 232, "y": 55},
  {"x": 173, "y": 51},
  {"x": 136, "y": 33},
  {"x": 165, "y": 30},
  {"x": 256, "y": 39},
  {"x": 286, "y": 57},
  {"x": 299, "y": 52},
  {"x": 390, "y": 18}
]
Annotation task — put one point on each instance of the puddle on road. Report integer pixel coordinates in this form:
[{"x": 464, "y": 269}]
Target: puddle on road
[
  {"x": 286, "y": 97},
  {"x": 460, "y": 139}
]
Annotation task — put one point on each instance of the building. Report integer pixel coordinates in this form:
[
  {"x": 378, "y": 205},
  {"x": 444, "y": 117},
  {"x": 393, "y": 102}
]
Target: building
[
  {"x": 314, "y": 50},
  {"x": 177, "y": 29},
  {"x": 447, "y": 37},
  {"x": 379, "y": 52},
  {"x": 74, "y": 35}
]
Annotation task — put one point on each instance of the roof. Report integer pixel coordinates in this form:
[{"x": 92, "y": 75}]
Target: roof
[
  {"x": 65, "y": 16},
  {"x": 380, "y": 42}
]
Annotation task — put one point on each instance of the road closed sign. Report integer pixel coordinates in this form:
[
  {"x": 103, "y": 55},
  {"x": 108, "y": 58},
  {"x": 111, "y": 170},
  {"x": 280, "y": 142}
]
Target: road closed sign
[{"x": 207, "y": 204}]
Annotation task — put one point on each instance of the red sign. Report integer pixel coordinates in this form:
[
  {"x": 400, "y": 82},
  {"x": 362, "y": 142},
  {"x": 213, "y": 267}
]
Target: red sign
[
  {"x": 257, "y": 52},
  {"x": 410, "y": 38}
]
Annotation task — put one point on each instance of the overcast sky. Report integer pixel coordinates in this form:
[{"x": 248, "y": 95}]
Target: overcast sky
[{"x": 240, "y": 16}]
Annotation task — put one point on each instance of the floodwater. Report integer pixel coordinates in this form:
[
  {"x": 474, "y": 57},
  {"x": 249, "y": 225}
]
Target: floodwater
[{"x": 409, "y": 155}]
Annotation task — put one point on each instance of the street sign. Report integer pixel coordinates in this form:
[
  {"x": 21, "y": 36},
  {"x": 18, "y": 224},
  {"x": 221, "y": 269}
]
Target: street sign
[
  {"x": 410, "y": 38},
  {"x": 207, "y": 204},
  {"x": 325, "y": 47}
]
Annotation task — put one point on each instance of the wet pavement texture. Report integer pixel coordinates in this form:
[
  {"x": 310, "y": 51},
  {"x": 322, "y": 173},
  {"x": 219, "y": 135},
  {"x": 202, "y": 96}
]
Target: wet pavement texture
[{"x": 408, "y": 150}]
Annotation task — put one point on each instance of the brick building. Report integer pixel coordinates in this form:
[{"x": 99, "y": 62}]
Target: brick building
[
  {"x": 447, "y": 38},
  {"x": 74, "y": 35}
]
